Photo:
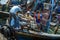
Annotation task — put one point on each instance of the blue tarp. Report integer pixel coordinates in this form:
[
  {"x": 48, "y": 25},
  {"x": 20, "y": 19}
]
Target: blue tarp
[{"x": 19, "y": 37}]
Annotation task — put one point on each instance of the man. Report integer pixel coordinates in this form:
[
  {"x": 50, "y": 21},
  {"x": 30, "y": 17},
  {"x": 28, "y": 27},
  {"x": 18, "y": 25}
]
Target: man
[
  {"x": 7, "y": 6},
  {"x": 14, "y": 19},
  {"x": 38, "y": 19},
  {"x": 3, "y": 3},
  {"x": 45, "y": 20},
  {"x": 58, "y": 16},
  {"x": 28, "y": 16},
  {"x": 57, "y": 9}
]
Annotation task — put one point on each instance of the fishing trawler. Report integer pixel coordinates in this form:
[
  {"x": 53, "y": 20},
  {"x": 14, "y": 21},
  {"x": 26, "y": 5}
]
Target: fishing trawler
[{"x": 31, "y": 32}]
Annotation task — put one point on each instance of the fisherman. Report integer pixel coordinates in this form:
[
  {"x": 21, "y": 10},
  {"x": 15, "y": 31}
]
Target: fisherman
[
  {"x": 14, "y": 19},
  {"x": 28, "y": 16},
  {"x": 45, "y": 20},
  {"x": 3, "y": 3},
  {"x": 57, "y": 10},
  {"x": 38, "y": 17}
]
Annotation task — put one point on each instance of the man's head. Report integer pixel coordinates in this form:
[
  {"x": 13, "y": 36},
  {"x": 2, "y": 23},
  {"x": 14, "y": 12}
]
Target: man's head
[
  {"x": 38, "y": 11},
  {"x": 28, "y": 13},
  {"x": 17, "y": 12},
  {"x": 47, "y": 9}
]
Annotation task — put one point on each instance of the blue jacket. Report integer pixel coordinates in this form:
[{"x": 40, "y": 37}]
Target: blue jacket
[
  {"x": 15, "y": 9},
  {"x": 15, "y": 21}
]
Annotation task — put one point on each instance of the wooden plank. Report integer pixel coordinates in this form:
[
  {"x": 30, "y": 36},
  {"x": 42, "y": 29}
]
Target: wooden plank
[
  {"x": 26, "y": 34},
  {"x": 4, "y": 12}
]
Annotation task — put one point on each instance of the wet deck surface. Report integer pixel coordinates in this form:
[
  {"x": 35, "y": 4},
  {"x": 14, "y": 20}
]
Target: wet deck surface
[{"x": 2, "y": 37}]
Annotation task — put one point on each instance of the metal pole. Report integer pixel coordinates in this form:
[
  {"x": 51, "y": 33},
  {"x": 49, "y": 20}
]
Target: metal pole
[{"x": 51, "y": 9}]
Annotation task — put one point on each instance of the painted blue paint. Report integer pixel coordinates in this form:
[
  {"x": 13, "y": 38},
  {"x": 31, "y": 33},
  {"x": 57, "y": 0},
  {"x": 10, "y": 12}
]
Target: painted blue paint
[
  {"x": 51, "y": 9},
  {"x": 15, "y": 2},
  {"x": 47, "y": 26},
  {"x": 19, "y": 37},
  {"x": 38, "y": 3},
  {"x": 52, "y": 4},
  {"x": 48, "y": 22}
]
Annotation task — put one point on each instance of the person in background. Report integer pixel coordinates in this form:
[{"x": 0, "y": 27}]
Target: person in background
[
  {"x": 14, "y": 19},
  {"x": 38, "y": 19},
  {"x": 7, "y": 6},
  {"x": 46, "y": 20},
  {"x": 3, "y": 3},
  {"x": 28, "y": 16},
  {"x": 57, "y": 9}
]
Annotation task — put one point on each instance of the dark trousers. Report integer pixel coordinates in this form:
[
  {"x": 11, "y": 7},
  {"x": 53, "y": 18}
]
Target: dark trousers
[
  {"x": 15, "y": 20},
  {"x": 3, "y": 7}
]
